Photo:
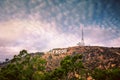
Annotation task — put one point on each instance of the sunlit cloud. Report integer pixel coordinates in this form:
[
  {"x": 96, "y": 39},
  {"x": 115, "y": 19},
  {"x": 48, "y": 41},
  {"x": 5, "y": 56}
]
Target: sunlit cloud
[
  {"x": 40, "y": 25},
  {"x": 36, "y": 36}
]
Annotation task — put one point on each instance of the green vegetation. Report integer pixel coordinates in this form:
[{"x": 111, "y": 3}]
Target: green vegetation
[
  {"x": 27, "y": 67},
  {"x": 23, "y": 67},
  {"x": 110, "y": 74},
  {"x": 71, "y": 68}
]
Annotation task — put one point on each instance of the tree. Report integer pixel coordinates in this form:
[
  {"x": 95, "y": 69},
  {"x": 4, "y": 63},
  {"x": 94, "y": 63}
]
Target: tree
[
  {"x": 23, "y": 67},
  {"x": 6, "y": 60},
  {"x": 109, "y": 74},
  {"x": 72, "y": 64}
]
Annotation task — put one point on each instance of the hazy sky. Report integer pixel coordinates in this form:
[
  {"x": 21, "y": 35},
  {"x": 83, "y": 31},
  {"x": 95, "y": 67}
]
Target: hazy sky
[{"x": 40, "y": 25}]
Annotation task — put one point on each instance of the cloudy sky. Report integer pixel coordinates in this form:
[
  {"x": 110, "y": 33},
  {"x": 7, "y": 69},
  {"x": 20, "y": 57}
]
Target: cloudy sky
[{"x": 40, "y": 25}]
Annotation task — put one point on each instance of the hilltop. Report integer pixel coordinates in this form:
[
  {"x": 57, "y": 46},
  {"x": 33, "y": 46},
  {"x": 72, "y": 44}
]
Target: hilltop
[{"x": 93, "y": 56}]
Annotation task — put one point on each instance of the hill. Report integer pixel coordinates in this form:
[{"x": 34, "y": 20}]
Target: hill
[
  {"x": 73, "y": 63},
  {"x": 93, "y": 56}
]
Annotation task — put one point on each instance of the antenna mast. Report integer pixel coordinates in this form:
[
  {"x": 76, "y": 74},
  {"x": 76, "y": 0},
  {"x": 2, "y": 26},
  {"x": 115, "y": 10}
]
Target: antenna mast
[{"x": 82, "y": 39}]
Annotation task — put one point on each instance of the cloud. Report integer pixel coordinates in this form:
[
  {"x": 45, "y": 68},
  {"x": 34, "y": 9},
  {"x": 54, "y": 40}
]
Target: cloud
[
  {"x": 8, "y": 52},
  {"x": 31, "y": 35},
  {"x": 36, "y": 35},
  {"x": 96, "y": 35},
  {"x": 10, "y": 30},
  {"x": 114, "y": 42},
  {"x": 38, "y": 25}
]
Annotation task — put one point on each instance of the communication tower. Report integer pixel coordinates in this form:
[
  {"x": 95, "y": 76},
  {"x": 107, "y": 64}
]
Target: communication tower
[{"x": 82, "y": 39}]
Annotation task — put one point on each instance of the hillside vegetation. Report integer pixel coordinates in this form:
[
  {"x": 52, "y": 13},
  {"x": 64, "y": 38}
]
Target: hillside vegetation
[{"x": 78, "y": 63}]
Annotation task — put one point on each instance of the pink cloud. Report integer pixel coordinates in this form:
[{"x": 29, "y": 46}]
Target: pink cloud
[{"x": 35, "y": 35}]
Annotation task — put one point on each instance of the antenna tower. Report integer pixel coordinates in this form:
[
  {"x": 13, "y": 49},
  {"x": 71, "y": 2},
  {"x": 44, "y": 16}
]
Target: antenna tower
[{"x": 82, "y": 39}]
